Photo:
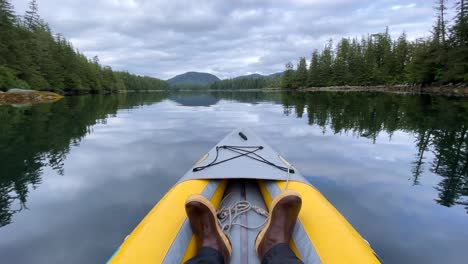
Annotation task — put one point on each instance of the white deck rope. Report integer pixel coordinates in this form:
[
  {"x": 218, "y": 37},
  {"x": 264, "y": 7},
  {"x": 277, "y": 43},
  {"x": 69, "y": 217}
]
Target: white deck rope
[
  {"x": 287, "y": 178},
  {"x": 227, "y": 215}
]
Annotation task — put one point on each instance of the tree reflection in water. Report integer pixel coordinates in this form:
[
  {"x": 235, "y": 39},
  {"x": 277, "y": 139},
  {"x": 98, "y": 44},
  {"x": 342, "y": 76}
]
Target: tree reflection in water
[
  {"x": 32, "y": 138},
  {"x": 38, "y": 136},
  {"x": 439, "y": 125}
]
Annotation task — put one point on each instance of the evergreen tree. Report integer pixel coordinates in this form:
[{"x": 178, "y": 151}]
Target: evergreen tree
[
  {"x": 401, "y": 59},
  {"x": 313, "y": 70},
  {"x": 341, "y": 63},
  {"x": 288, "y": 76},
  {"x": 325, "y": 66},
  {"x": 440, "y": 29},
  {"x": 421, "y": 70},
  {"x": 301, "y": 73},
  {"x": 7, "y": 20},
  {"x": 7, "y": 16},
  {"x": 356, "y": 64},
  {"x": 458, "y": 52},
  {"x": 439, "y": 58},
  {"x": 460, "y": 29},
  {"x": 31, "y": 18}
]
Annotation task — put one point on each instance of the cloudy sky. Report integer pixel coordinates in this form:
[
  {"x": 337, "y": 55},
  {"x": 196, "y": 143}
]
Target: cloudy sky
[{"x": 162, "y": 38}]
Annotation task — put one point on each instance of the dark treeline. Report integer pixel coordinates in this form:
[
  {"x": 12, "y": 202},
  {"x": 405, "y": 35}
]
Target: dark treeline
[
  {"x": 240, "y": 83},
  {"x": 442, "y": 134},
  {"x": 378, "y": 59},
  {"x": 246, "y": 83},
  {"x": 32, "y": 57},
  {"x": 47, "y": 133}
]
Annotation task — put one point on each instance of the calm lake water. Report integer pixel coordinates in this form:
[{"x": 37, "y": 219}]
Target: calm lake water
[{"x": 78, "y": 175}]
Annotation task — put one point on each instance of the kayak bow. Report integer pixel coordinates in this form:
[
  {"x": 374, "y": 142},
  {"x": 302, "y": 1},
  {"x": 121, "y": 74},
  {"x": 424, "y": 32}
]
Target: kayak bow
[{"x": 243, "y": 167}]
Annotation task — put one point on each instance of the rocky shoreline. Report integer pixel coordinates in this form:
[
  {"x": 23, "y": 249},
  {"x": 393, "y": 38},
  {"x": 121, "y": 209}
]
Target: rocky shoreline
[
  {"x": 447, "y": 90},
  {"x": 27, "y": 97}
]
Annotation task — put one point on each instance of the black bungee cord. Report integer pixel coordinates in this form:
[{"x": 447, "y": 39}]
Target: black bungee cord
[{"x": 246, "y": 151}]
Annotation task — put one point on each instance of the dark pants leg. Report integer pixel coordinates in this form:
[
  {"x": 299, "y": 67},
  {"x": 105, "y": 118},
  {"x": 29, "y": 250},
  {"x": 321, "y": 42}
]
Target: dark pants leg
[
  {"x": 279, "y": 254},
  {"x": 207, "y": 255}
]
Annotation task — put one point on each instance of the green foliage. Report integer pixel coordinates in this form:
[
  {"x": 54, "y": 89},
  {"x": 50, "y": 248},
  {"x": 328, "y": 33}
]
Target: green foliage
[
  {"x": 457, "y": 54},
  {"x": 326, "y": 66},
  {"x": 288, "y": 76},
  {"x": 301, "y": 73},
  {"x": 140, "y": 83},
  {"x": 313, "y": 79},
  {"x": 419, "y": 70},
  {"x": 245, "y": 83},
  {"x": 31, "y": 18},
  {"x": 8, "y": 79},
  {"x": 31, "y": 57}
]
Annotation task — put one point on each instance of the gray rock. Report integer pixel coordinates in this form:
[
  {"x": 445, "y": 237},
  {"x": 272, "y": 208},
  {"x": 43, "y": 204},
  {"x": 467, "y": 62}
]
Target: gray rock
[{"x": 18, "y": 90}]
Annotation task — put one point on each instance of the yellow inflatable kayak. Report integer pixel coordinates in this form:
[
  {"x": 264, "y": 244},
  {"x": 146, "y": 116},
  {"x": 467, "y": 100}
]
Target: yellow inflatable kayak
[{"x": 243, "y": 171}]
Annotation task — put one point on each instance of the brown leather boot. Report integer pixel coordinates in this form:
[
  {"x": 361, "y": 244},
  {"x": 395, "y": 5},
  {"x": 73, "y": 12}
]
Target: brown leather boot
[
  {"x": 202, "y": 216},
  {"x": 283, "y": 215}
]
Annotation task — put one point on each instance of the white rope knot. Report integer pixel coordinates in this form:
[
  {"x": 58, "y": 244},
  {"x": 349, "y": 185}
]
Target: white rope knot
[{"x": 227, "y": 215}]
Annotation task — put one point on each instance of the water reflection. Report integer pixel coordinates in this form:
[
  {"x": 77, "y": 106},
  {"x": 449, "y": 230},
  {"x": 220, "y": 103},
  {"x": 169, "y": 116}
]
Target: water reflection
[
  {"x": 194, "y": 99},
  {"x": 359, "y": 149},
  {"x": 439, "y": 126},
  {"x": 38, "y": 136},
  {"x": 34, "y": 137}
]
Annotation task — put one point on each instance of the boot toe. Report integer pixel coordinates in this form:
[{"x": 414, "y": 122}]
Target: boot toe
[
  {"x": 204, "y": 224},
  {"x": 281, "y": 221}
]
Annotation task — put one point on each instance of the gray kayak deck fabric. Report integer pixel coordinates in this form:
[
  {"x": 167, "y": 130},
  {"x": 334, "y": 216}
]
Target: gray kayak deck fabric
[
  {"x": 243, "y": 239},
  {"x": 243, "y": 167}
]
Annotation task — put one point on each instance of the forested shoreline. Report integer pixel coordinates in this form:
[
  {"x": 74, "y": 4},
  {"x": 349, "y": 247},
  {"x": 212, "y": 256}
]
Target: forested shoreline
[
  {"x": 246, "y": 83},
  {"x": 32, "y": 57},
  {"x": 377, "y": 59}
]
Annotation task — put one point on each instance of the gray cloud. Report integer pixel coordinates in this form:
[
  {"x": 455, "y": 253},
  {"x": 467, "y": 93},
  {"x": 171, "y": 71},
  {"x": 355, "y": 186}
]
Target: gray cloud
[{"x": 228, "y": 38}]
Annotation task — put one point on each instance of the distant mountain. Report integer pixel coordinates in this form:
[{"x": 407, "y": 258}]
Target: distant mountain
[
  {"x": 193, "y": 78},
  {"x": 252, "y": 76},
  {"x": 258, "y": 76},
  {"x": 278, "y": 74}
]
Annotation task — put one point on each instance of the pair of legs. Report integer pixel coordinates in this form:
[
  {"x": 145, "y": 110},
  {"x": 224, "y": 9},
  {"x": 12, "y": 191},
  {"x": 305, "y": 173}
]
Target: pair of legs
[{"x": 272, "y": 242}]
